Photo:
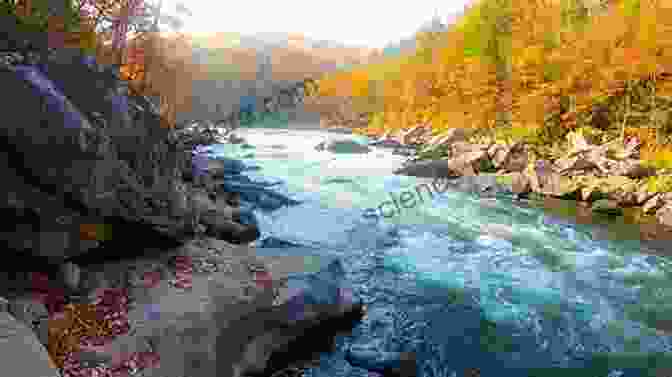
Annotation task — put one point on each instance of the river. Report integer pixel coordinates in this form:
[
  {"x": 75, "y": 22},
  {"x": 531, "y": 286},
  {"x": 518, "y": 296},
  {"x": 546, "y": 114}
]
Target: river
[{"x": 462, "y": 281}]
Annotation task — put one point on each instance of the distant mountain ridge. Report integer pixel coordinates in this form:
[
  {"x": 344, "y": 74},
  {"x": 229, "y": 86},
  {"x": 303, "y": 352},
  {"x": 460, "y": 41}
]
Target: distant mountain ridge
[{"x": 237, "y": 66}]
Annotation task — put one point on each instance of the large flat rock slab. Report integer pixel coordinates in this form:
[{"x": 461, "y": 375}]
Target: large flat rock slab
[{"x": 230, "y": 321}]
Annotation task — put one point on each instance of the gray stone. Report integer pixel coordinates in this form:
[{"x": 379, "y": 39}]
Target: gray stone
[
  {"x": 427, "y": 169},
  {"x": 4, "y": 305},
  {"x": 346, "y": 146},
  {"x": 30, "y": 311},
  {"x": 21, "y": 352},
  {"x": 71, "y": 275}
]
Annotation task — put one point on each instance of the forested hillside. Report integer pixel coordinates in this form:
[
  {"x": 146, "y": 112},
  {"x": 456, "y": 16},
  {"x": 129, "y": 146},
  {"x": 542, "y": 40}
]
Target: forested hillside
[{"x": 521, "y": 69}]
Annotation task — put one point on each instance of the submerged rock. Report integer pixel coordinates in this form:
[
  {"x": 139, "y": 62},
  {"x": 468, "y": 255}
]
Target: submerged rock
[
  {"x": 401, "y": 364},
  {"x": 343, "y": 146},
  {"x": 428, "y": 169},
  {"x": 258, "y": 194}
]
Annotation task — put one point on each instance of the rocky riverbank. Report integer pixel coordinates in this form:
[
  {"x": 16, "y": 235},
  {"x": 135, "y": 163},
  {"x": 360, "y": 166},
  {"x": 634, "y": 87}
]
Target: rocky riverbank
[
  {"x": 124, "y": 253},
  {"x": 603, "y": 180}
]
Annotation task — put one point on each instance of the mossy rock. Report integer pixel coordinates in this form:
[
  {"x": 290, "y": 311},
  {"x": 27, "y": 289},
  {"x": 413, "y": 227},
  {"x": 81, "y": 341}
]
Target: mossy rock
[{"x": 607, "y": 207}]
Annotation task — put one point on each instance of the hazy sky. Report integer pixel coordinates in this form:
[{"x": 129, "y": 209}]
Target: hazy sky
[{"x": 370, "y": 23}]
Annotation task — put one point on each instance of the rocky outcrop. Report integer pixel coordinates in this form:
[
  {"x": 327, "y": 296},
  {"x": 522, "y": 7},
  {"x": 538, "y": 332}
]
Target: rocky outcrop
[
  {"x": 91, "y": 171},
  {"x": 343, "y": 146},
  {"x": 387, "y": 363},
  {"x": 416, "y": 135},
  {"x": 200, "y": 133},
  {"x": 428, "y": 169},
  {"x": 466, "y": 162},
  {"x": 104, "y": 164},
  {"x": 255, "y": 315},
  {"x": 607, "y": 175},
  {"x": 86, "y": 162}
]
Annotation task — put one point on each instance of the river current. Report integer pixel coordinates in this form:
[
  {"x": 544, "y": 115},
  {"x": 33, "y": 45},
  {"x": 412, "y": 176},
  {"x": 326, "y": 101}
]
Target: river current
[{"x": 464, "y": 282}]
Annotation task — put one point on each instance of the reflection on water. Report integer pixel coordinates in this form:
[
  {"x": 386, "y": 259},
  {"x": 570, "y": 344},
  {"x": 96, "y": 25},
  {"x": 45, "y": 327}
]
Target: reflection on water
[{"x": 467, "y": 283}]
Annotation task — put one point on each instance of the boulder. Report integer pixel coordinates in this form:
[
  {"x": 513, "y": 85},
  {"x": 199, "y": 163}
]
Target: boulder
[
  {"x": 221, "y": 166},
  {"x": 224, "y": 221},
  {"x": 653, "y": 204},
  {"x": 401, "y": 364},
  {"x": 234, "y": 139},
  {"x": 308, "y": 311},
  {"x": 573, "y": 165},
  {"x": 643, "y": 196},
  {"x": 345, "y": 146},
  {"x": 386, "y": 143},
  {"x": 623, "y": 197},
  {"x": 259, "y": 195},
  {"x": 404, "y": 151},
  {"x": 198, "y": 134},
  {"x": 20, "y": 349},
  {"x": 411, "y": 136},
  {"x": 545, "y": 179},
  {"x": 510, "y": 158},
  {"x": 107, "y": 166},
  {"x": 467, "y": 164},
  {"x": 450, "y": 136},
  {"x": 664, "y": 215},
  {"x": 633, "y": 169},
  {"x": 519, "y": 183},
  {"x": 461, "y": 147},
  {"x": 223, "y": 227},
  {"x": 264, "y": 313},
  {"x": 428, "y": 169}
]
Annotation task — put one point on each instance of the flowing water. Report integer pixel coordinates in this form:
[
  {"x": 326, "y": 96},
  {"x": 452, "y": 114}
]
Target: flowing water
[{"x": 463, "y": 282}]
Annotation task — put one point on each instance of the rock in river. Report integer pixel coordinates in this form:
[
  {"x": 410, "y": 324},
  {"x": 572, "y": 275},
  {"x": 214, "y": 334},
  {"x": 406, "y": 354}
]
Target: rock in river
[
  {"x": 343, "y": 146},
  {"x": 401, "y": 364}
]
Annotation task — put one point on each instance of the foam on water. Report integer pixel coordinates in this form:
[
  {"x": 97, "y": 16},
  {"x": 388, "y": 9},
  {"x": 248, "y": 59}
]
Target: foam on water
[{"x": 547, "y": 283}]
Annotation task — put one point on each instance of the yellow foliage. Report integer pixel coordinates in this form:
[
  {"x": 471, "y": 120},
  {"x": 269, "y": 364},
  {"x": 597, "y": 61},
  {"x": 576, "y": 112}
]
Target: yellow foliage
[{"x": 549, "y": 63}]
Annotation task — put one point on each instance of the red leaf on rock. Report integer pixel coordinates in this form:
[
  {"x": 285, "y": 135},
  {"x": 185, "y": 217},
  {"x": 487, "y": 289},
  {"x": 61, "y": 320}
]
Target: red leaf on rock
[{"x": 151, "y": 279}]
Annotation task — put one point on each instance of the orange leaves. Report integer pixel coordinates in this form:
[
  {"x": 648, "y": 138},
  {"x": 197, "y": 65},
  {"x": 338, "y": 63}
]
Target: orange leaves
[
  {"x": 547, "y": 62},
  {"x": 359, "y": 81}
]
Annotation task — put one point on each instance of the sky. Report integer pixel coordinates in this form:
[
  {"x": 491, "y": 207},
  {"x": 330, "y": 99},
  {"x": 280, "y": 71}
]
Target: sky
[{"x": 365, "y": 23}]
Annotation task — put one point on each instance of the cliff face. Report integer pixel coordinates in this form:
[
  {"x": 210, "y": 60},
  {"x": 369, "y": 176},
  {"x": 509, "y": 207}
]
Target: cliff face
[{"x": 81, "y": 151}]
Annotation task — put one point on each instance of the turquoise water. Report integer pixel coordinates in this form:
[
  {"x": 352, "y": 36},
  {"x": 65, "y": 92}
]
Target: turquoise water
[{"x": 462, "y": 281}]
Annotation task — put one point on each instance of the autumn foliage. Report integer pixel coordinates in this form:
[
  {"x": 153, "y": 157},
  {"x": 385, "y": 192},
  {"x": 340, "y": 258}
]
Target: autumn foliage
[
  {"x": 558, "y": 66},
  {"x": 119, "y": 32}
]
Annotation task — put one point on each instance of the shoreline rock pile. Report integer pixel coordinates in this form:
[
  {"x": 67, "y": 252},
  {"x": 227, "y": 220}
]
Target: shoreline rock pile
[{"x": 607, "y": 177}]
